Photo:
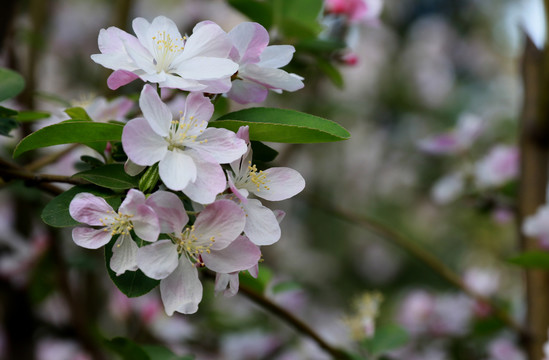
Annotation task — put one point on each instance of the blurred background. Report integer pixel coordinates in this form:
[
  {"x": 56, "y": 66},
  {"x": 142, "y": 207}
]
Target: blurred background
[{"x": 431, "y": 93}]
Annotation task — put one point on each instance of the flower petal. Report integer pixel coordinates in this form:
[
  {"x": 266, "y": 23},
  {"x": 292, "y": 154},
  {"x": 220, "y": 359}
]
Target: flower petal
[
  {"x": 158, "y": 260},
  {"x": 276, "y": 56},
  {"x": 142, "y": 145},
  {"x": 170, "y": 211},
  {"x": 261, "y": 224},
  {"x": 182, "y": 290},
  {"x": 146, "y": 224},
  {"x": 132, "y": 168},
  {"x": 282, "y": 183},
  {"x": 124, "y": 255},
  {"x": 245, "y": 92},
  {"x": 90, "y": 238},
  {"x": 155, "y": 111},
  {"x": 177, "y": 169},
  {"x": 120, "y": 78},
  {"x": 271, "y": 78},
  {"x": 221, "y": 144},
  {"x": 198, "y": 108},
  {"x": 249, "y": 39},
  {"x": 206, "y": 68},
  {"x": 226, "y": 283},
  {"x": 209, "y": 181},
  {"x": 223, "y": 220},
  {"x": 240, "y": 255},
  {"x": 207, "y": 39},
  {"x": 90, "y": 209}
]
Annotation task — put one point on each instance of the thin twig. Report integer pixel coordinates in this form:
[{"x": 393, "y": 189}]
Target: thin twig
[
  {"x": 50, "y": 158},
  {"x": 39, "y": 178},
  {"x": 419, "y": 253}
]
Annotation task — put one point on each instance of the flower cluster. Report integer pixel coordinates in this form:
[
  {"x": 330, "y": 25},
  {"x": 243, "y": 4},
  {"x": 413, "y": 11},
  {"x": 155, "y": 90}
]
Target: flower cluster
[{"x": 208, "y": 172}]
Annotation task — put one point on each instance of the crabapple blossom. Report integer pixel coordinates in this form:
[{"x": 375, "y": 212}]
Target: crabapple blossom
[
  {"x": 468, "y": 129},
  {"x": 355, "y": 10},
  {"x": 212, "y": 241},
  {"x": 499, "y": 166},
  {"x": 159, "y": 54},
  {"x": 258, "y": 65},
  {"x": 273, "y": 184},
  {"x": 537, "y": 225},
  {"x": 188, "y": 153},
  {"x": 104, "y": 223}
]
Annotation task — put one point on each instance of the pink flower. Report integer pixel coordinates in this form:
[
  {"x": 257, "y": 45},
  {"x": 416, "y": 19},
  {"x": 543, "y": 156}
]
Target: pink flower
[
  {"x": 355, "y": 10},
  {"x": 499, "y": 166},
  {"x": 104, "y": 223},
  {"x": 159, "y": 54},
  {"x": 537, "y": 225},
  {"x": 213, "y": 241},
  {"x": 481, "y": 281},
  {"x": 259, "y": 65},
  {"x": 188, "y": 153},
  {"x": 102, "y": 110},
  {"x": 274, "y": 184}
]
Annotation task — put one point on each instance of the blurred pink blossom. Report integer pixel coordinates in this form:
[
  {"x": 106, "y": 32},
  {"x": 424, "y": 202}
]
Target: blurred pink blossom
[
  {"x": 355, "y": 10},
  {"x": 499, "y": 166}
]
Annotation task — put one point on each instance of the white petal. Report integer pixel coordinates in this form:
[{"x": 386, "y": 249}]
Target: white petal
[
  {"x": 158, "y": 260},
  {"x": 177, "y": 170},
  {"x": 90, "y": 238},
  {"x": 271, "y": 78},
  {"x": 155, "y": 111},
  {"x": 209, "y": 181},
  {"x": 261, "y": 224},
  {"x": 207, "y": 40},
  {"x": 276, "y": 56},
  {"x": 206, "y": 68},
  {"x": 281, "y": 183},
  {"x": 124, "y": 255},
  {"x": 221, "y": 144},
  {"x": 182, "y": 290},
  {"x": 142, "y": 145},
  {"x": 249, "y": 39},
  {"x": 240, "y": 255},
  {"x": 223, "y": 220},
  {"x": 170, "y": 211}
]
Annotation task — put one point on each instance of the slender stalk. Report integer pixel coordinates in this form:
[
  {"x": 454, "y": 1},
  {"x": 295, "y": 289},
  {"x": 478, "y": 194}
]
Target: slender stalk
[
  {"x": 50, "y": 158},
  {"x": 419, "y": 253}
]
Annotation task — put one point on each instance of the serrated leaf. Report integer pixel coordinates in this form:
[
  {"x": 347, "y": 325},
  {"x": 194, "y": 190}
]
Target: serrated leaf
[
  {"x": 531, "y": 259},
  {"x": 282, "y": 125},
  {"x": 11, "y": 84},
  {"x": 386, "y": 338},
  {"x": 259, "y": 11},
  {"x": 82, "y": 132},
  {"x": 127, "y": 349},
  {"x": 131, "y": 283},
  {"x": 56, "y": 212},
  {"x": 111, "y": 176},
  {"x": 78, "y": 113}
]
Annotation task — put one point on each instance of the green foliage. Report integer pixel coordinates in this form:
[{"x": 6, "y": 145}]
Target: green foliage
[
  {"x": 11, "y": 84},
  {"x": 8, "y": 121},
  {"x": 386, "y": 338},
  {"x": 129, "y": 350},
  {"x": 78, "y": 113},
  {"x": 282, "y": 125},
  {"x": 286, "y": 286},
  {"x": 262, "y": 152},
  {"x": 131, "y": 283},
  {"x": 258, "y": 11},
  {"x": 111, "y": 176},
  {"x": 92, "y": 134},
  {"x": 331, "y": 72},
  {"x": 258, "y": 284},
  {"x": 28, "y": 116},
  {"x": 56, "y": 212},
  {"x": 149, "y": 179},
  {"x": 532, "y": 259}
]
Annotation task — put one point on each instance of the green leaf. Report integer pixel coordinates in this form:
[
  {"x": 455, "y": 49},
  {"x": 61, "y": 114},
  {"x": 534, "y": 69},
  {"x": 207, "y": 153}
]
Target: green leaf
[
  {"x": 127, "y": 349},
  {"x": 56, "y": 212},
  {"x": 27, "y": 115},
  {"x": 83, "y": 132},
  {"x": 78, "y": 113},
  {"x": 298, "y": 19},
  {"x": 149, "y": 179},
  {"x": 281, "y": 125},
  {"x": 156, "y": 352},
  {"x": 258, "y": 11},
  {"x": 11, "y": 84},
  {"x": 5, "y": 112},
  {"x": 258, "y": 284},
  {"x": 386, "y": 338},
  {"x": 331, "y": 72},
  {"x": 319, "y": 45},
  {"x": 262, "y": 152},
  {"x": 131, "y": 283},
  {"x": 531, "y": 259},
  {"x": 111, "y": 176},
  {"x": 7, "y": 125}
]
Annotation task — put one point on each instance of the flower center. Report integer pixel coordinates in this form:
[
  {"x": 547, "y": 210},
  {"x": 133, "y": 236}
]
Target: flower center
[
  {"x": 184, "y": 131},
  {"x": 193, "y": 245},
  {"x": 254, "y": 178},
  {"x": 119, "y": 224},
  {"x": 165, "y": 50}
]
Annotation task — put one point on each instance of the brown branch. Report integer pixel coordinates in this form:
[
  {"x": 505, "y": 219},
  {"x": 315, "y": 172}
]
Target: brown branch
[{"x": 419, "y": 253}]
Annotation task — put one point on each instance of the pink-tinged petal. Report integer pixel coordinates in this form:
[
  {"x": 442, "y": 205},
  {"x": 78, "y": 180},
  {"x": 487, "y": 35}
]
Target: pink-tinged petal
[
  {"x": 90, "y": 238},
  {"x": 133, "y": 199},
  {"x": 244, "y": 133},
  {"x": 155, "y": 111},
  {"x": 218, "y": 86},
  {"x": 282, "y": 183},
  {"x": 120, "y": 78},
  {"x": 170, "y": 211},
  {"x": 254, "y": 271},
  {"x": 124, "y": 255},
  {"x": 182, "y": 290},
  {"x": 226, "y": 283},
  {"x": 177, "y": 170},
  {"x": 271, "y": 78},
  {"x": 158, "y": 260},
  {"x": 210, "y": 180},
  {"x": 132, "y": 168},
  {"x": 90, "y": 209},
  {"x": 161, "y": 29},
  {"x": 280, "y": 214},
  {"x": 245, "y": 92},
  {"x": 146, "y": 224},
  {"x": 241, "y": 194},
  {"x": 199, "y": 108},
  {"x": 249, "y": 39},
  {"x": 276, "y": 56},
  {"x": 440, "y": 144},
  {"x": 206, "y": 68},
  {"x": 141, "y": 57},
  {"x": 261, "y": 224},
  {"x": 207, "y": 39},
  {"x": 223, "y": 220},
  {"x": 113, "y": 54},
  {"x": 177, "y": 82},
  {"x": 240, "y": 255},
  {"x": 221, "y": 144},
  {"x": 142, "y": 145}
]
